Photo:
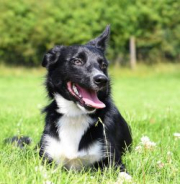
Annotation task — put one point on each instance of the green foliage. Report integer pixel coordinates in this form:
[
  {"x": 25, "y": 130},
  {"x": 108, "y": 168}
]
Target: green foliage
[{"x": 29, "y": 28}]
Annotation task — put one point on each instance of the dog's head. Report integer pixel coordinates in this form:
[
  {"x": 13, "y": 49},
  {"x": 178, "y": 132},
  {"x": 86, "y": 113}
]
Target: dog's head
[{"x": 79, "y": 72}]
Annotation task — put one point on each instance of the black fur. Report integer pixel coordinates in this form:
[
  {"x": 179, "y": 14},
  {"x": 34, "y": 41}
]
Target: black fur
[
  {"x": 19, "y": 141},
  {"x": 63, "y": 65},
  {"x": 86, "y": 66}
]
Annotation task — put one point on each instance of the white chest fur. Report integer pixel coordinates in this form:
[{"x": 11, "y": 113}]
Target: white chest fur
[{"x": 65, "y": 151}]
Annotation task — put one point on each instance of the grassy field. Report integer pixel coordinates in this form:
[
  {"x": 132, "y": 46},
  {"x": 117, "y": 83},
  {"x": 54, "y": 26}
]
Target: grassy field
[{"x": 148, "y": 98}]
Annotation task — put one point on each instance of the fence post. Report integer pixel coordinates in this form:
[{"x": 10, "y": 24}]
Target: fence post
[{"x": 132, "y": 46}]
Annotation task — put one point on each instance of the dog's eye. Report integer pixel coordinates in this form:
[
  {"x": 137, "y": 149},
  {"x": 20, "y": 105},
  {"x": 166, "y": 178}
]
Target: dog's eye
[
  {"x": 77, "y": 62},
  {"x": 103, "y": 66}
]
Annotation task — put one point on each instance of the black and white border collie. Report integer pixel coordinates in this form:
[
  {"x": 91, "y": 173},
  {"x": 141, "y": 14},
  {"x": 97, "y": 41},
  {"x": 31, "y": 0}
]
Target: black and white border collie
[{"x": 82, "y": 125}]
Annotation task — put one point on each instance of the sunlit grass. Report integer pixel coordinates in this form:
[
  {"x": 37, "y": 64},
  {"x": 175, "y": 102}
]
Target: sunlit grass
[{"x": 148, "y": 98}]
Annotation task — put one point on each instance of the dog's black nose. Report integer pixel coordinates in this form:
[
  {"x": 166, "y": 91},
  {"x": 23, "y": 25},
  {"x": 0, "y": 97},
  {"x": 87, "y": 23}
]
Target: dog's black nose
[{"x": 100, "y": 80}]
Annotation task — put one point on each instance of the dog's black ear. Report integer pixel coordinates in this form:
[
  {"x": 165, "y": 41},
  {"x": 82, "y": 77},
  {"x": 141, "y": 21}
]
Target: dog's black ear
[
  {"x": 101, "y": 41},
  {"x": 51, "y": 56}
]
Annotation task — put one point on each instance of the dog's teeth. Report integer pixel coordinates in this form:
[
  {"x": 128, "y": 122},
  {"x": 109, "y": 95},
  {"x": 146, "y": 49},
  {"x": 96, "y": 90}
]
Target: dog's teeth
[{"x": 75, "y": 90}]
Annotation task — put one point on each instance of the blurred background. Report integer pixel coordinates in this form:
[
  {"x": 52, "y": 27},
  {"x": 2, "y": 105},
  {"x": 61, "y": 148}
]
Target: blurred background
[
  {"x": 144, "y": 53},
  {"x": 141, "y": 31}
]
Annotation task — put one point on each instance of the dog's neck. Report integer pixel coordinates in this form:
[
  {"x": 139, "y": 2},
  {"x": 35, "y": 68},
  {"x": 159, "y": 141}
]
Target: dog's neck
[{"x": 69, "y": 108}]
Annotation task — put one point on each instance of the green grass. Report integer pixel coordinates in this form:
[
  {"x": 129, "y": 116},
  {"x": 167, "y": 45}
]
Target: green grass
[{"x": 148, "y": 98}]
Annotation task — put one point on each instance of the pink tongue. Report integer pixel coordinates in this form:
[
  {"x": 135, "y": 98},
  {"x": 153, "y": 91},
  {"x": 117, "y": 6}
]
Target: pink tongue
[{"x": 90, "y": 98}]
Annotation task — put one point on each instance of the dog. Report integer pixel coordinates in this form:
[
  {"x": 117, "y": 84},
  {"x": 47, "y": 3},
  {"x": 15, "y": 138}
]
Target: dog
[{"x": 83, "y": 127}]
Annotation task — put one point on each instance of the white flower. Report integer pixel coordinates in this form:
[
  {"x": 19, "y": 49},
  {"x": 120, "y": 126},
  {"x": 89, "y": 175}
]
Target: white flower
[
  {"x": 124, "y": 178},
  {"x": 145, "y": 140},
  {"x": 160, "y": 164},
  {"x": 138, "y": 149},
  {"x": 145, "y": 144},
  {"x": 45, "y": 176},
  {"x": 48, "y": 182},
  {"x": 39, "y": 168},
  {"x": 169, "y": 153},
  {"x": 42, "y": 170},
  {"x": 177, "y": 135},
  {"x": 150, "y": 145}
]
